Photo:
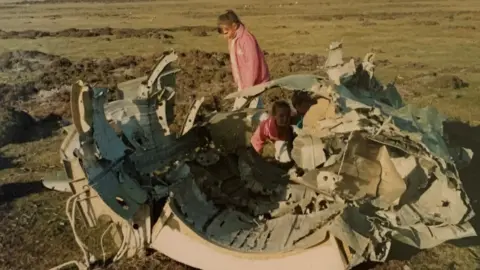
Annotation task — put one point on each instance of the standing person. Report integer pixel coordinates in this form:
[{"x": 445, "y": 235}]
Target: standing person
[{"x": 248, "y": 62}]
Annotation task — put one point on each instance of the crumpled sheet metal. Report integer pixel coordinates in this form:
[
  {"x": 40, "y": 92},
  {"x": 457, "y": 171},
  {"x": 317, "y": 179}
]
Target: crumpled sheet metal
[
  {"x": 358, "y": 104},
  {"x": 300, "y": 82},
  {"x": 413, "y": 162},
  {"x": 144, "y": 87},
  {"x": 375, "y": 173}
]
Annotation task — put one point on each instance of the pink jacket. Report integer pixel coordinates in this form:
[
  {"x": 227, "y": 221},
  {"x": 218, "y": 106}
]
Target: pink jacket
[
  {"x": 248, "y": 62},
  {"x": 267, "y": 130}
]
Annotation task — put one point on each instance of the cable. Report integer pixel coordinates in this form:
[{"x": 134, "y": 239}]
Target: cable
[
  {"x": 81, "y": 266},
  {"x": 101, "y": 240},
  {"x": 123, "y": 248},
  {"x": 80, "y": 244},
  {"x": 71, "y": 218}
]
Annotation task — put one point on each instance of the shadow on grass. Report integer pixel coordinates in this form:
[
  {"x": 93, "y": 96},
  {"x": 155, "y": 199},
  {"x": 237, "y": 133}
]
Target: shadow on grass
[
  {"x": 11, "y": 191},
  {"x": 42, "y": 129},
  {"x": 462, "y": 134},
  {"x": 7, "y": 162}
]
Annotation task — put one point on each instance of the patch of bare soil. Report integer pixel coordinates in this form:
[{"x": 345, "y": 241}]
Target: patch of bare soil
[
  {"x": 25, "y": 61},
  {"x": 11, "y": 94},
  {"x": 441, "y": 81},
  {"x": 13, "y": 125},
  {"x": 94, "y": 32},
  {"x": 203, "y": 74},
  {"x": 155, "y": 33}
]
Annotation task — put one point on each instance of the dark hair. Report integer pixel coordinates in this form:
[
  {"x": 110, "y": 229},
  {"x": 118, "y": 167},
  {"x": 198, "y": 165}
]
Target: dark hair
[
  {"x": 278, "y": 105},
  {"x": 300, "y": 97},
  {"x": 228, "y": 18}
]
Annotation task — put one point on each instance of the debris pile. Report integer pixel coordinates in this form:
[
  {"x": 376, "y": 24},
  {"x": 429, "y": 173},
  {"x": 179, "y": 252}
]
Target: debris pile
[
  {"x": 366, "y": 169},
  {"x": 385, "y": 162}
]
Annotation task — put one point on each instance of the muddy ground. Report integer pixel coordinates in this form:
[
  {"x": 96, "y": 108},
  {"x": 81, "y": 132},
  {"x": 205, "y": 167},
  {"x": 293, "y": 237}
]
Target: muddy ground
[
  {"x": 47, "y": 78},
  {"x": 157, "y": 33},
  {"x": 44, "y": 96},
  {"x": 202, "y": 74}
]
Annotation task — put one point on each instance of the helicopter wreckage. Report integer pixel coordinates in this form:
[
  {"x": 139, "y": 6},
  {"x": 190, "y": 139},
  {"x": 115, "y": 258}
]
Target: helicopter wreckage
[{"x": 366, "y": 169}]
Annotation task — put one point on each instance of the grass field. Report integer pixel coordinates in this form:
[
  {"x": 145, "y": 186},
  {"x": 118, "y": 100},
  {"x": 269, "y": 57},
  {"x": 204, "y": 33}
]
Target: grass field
[{"x": 431, "y": 47}]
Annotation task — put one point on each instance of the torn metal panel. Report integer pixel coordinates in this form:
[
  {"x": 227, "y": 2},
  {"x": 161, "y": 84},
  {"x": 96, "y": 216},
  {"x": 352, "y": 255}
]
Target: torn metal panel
[
  {"x": 162, "y": 78},
  {"x": 81, "y": 108},
  {"x": 338, "y": 72},
  {"x": 355, "y": 229},
  {"x": 292, "y": 82},
  {"x": 422, "y": 236},
  {"x": 188, "y": 124},
  {"x": 110, "y": 146},
  {"x": 343, "y": 73},
  {"x": 448, "y": 208},
  {"x": 57, "y": 181},
  {"x": 461, "y": 156},
  {"x": 392, "y": 186},
  {"x": 308, "y": 152},
  {"x": 239, "y": 129},
  {"x": 335, "y": 55},
  {"x": 129, "y": 88}
]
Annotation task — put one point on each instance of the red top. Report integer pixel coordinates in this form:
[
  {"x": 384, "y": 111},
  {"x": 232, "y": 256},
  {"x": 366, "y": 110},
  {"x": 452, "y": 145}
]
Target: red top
[
  {"x": 249, "y": 67},
  {"x": 267, "y": 130}
]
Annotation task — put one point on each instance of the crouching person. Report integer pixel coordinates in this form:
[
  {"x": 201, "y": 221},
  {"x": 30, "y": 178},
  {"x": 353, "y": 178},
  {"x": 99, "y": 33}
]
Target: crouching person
[
  {"x": 301, "y": 101},
  {"x": 276, "y": 128}
]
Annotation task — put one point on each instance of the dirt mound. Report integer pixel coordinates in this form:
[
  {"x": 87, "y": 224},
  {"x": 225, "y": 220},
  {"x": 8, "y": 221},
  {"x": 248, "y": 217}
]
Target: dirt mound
[
  {"x": 441, "y": 81},
  {"x": 100, "y": 72},
  {"x": 156, "y": 33},
  {"x": 141, "y": 33},
  {"x": 26, "y": 61},
  {"x": 448, "y": 82},
  {"x": 11, "y": 94},
  {"x": 202, "y": 73},
  {"x": 13, "y": 125},
  {"x": 193, "y": 29}
]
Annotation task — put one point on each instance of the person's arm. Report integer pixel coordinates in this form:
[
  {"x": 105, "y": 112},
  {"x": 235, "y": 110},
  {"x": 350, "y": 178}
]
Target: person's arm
[
  {"x": 251, "y": 61},
  {"x": 259, "y": 137}
]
